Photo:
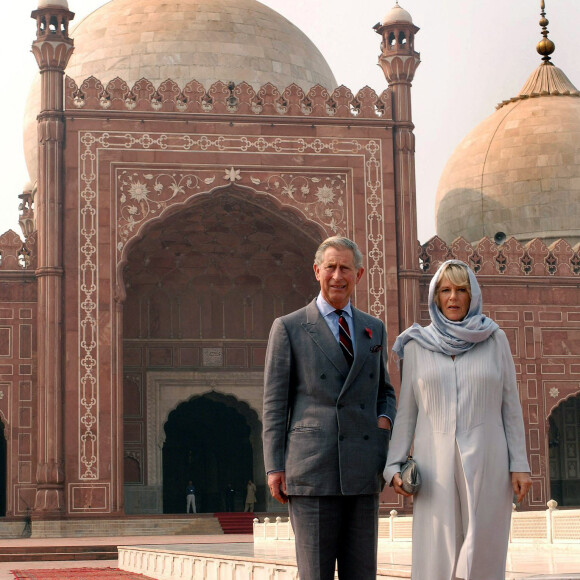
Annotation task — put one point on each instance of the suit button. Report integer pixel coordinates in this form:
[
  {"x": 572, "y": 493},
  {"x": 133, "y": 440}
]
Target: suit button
[
  {"x": 340, "y": 406},
  {"x": 322, "y": 376},
  {"x": 341, "y": 437},
  {"x": 371, "y": 375},
  {"x": 362, "y": 405},
  {"x": 366, "y": 437}
]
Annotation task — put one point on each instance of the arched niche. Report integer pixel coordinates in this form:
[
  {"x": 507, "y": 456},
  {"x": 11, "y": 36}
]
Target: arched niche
[
  {"x": 564, "y": 452},
  {"x": 212, "y": 440},
  {"x": 220, "y": 268}
]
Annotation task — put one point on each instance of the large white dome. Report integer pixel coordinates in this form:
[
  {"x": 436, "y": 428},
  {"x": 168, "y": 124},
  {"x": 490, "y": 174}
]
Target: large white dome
[
  {"x": 205, "y": 40},
  {"x": 518, "y": 172}
]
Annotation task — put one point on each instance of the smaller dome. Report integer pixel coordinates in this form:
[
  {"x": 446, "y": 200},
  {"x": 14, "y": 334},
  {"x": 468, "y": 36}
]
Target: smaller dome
[
  {"x": 52, "y": 4},
  {"x": 397, "y": 14}
]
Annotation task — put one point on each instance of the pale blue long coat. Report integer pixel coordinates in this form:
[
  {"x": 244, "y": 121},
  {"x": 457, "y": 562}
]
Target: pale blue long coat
[{"x": 470, "y": 404}]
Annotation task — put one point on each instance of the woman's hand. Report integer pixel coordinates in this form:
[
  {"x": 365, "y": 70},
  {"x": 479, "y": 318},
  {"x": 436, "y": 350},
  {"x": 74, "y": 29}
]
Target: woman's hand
[
  {"x": 397, "y": 484},
  {"x": 521, "y": 483}
]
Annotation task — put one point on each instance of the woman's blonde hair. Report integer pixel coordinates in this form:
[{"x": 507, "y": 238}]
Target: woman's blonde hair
[{"x": 457, "y": 275}]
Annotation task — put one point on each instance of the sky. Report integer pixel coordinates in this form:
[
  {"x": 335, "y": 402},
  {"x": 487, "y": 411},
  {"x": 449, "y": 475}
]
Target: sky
[{"x": 474, "y": 54}]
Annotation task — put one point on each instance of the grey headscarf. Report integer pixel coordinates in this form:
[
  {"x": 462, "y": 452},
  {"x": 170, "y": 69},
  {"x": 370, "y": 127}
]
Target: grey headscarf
[{"x": 447, "y": 336}]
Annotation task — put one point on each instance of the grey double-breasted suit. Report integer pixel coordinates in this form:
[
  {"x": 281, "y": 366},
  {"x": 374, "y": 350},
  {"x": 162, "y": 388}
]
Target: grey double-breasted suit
[{"x": 320, "y": 417}]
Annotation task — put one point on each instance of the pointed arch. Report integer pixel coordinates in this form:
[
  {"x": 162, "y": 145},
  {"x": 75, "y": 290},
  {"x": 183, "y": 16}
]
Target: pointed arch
[
  {"x": 563, "y": 446},
  {"x": 256, "y": 201}
]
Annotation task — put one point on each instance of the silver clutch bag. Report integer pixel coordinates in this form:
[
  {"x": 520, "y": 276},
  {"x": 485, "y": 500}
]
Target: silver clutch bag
[{"x": 410, "y": 476}]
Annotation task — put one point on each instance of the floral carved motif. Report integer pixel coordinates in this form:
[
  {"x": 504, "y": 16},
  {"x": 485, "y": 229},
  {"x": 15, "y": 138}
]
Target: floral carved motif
[{"x": 144, "y": 194}]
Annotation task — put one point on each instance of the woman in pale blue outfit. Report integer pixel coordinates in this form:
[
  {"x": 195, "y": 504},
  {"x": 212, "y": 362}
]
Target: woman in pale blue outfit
[{"x": 459, "y": 407}]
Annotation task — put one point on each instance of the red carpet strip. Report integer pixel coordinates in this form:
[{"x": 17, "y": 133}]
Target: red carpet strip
[{"x": 77, "y": 574}]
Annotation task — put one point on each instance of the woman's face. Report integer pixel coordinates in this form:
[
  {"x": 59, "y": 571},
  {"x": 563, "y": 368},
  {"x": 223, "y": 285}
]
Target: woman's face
[{"x": 453, "y": 300}]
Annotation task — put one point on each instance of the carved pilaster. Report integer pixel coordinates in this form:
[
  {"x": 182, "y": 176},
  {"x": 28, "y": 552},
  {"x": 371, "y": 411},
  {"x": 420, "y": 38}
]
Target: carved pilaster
[{"x": 52, "y": 50}]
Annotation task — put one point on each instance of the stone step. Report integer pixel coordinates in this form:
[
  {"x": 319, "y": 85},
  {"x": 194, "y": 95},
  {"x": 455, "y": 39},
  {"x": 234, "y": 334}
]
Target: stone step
[
  {"x": 236, "y": 522},
  {"x": 205, "y": 524},
  {"x": 57, "y": 553}
]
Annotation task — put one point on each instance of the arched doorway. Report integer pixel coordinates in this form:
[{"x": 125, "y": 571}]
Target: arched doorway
[
  {"x": 207, "y": 442},
  {"x": 564, "y": 452},
  {"x": 203, "y": 285},
  {"x": 3, "y": 460}
]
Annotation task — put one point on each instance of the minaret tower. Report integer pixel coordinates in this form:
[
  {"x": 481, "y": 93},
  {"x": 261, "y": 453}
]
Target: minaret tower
[
  {"x": 52, "y": 50},
  {"x": 399, "y": 61}
]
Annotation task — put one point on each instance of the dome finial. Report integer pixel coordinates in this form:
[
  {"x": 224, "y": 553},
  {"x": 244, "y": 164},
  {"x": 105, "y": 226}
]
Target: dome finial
[{"x": 545, "y": 47}]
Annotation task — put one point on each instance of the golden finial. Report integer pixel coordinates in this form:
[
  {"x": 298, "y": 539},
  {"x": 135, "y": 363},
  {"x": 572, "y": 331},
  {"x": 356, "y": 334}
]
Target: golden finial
[{"x": 545, "y": 47}]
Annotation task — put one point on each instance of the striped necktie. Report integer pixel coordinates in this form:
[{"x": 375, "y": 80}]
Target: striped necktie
[{"x": 344, "y": 338}]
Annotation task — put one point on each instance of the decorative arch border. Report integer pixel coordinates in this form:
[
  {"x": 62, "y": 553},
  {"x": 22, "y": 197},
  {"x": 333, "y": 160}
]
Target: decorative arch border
[
  {"x": 280, "y": 184},
  {"x": 246, "y": 195},
  {"x": 560, "y": 397},
  {"x": 561, "y": 400}
]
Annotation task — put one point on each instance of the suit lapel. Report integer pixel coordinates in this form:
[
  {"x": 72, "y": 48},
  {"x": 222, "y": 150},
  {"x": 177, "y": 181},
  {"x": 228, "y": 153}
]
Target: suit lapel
[{"x": 318, "y": 330}]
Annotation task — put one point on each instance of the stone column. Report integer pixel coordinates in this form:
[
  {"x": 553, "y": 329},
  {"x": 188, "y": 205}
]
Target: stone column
[
  {"x": 399, "y": 62},
  {"x": 52, "y": 50}
]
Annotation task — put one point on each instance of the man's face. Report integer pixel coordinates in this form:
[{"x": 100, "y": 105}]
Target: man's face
[{"x": 337, "y": 276}]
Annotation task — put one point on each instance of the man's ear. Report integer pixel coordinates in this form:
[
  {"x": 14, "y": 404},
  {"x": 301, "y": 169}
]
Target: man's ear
[
  {"x": 316, "y": 271},
  {"x": 359, "y": 274}
]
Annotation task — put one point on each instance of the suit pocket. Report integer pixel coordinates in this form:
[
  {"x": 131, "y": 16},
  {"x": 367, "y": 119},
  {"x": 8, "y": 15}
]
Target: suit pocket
[{"x": 304, "y": 428}]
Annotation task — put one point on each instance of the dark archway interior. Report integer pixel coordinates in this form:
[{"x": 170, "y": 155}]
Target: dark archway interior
[
  {"x": 564, "y": 452},
  {"x": 2, "y": 471},
  {"x": 211, "y": 276},
  {"x": 223, "y": 268},
  {"x": 208, "y": 443}
]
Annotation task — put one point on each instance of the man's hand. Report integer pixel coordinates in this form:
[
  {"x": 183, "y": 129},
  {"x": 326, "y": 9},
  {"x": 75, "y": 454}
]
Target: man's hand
[
  {"x": 384, "y": 423},
  {"x": 521, "y": 483},
  {"x": 277, "y": 485}
]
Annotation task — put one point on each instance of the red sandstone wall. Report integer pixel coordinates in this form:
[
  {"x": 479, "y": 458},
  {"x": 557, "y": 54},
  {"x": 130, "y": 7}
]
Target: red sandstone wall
[{"x": 18, "y": 372}]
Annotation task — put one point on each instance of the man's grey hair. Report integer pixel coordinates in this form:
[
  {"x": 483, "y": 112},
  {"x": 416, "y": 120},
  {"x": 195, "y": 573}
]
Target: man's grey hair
[{"x": 340, "y": 243}]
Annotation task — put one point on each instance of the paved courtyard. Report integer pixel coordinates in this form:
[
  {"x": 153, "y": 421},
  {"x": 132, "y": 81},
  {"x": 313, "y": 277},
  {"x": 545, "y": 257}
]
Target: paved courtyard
[{"x": 531, "y": 562}]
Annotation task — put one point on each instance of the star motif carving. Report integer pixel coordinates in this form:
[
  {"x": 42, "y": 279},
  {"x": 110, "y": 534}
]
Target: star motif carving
[
  {"x": 554, "y": 392},
  {"x": 232, "y": 175}
]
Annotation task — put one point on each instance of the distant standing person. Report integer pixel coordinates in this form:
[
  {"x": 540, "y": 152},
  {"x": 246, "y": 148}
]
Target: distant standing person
[
  {"x": 250, "y": 496},
  {"x": 459, "y": 406},
  {"x": 230, "y": 497},
  {"x": 190, "y": 494}
]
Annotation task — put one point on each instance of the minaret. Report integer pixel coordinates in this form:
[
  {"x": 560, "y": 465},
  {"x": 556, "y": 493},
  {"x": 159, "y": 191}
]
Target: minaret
[
  {"x": 52, "y": 50},
  {"x": 399, "y": 61}
]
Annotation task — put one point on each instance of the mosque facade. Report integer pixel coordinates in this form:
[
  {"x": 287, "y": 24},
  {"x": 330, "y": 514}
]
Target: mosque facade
[{"x": 174, "y": 209}]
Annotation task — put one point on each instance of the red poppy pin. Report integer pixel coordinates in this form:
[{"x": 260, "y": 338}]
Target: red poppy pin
[{"x": 369, "y": 332}]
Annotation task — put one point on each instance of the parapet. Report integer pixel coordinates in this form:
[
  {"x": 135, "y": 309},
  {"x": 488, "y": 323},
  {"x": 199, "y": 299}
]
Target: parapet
[
  {"x": 511, "y": 258},
  {"x": 226, "y": 98}
]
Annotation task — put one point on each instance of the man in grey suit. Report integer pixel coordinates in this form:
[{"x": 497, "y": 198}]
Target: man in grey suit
[{"x": 328, "y": 410}]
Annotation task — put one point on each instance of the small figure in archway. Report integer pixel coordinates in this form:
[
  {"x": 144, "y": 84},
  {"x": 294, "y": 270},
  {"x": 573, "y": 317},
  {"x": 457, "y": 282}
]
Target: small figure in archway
[
  {"x": 230, "y": 494},
  {"x": 190, "y": 494},
  {"x": 250, "y": 496}
]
